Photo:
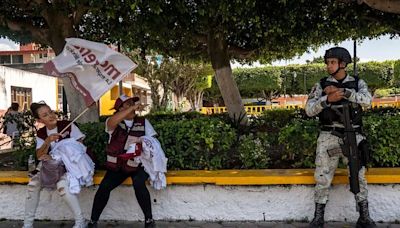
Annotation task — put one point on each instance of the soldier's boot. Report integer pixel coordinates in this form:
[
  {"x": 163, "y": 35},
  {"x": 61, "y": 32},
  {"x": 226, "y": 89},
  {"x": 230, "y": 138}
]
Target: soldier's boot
[
  {"x": 364, "y": 221},
  {"x": 318, "y": 221}
]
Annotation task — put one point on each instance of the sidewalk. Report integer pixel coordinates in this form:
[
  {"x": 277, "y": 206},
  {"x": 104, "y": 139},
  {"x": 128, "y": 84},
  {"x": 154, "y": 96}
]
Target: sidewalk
[{"x": 184, "y": 224}]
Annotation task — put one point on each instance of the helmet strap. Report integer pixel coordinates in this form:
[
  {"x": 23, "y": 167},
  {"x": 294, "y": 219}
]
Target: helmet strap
[{"x": 338, "y": 69}]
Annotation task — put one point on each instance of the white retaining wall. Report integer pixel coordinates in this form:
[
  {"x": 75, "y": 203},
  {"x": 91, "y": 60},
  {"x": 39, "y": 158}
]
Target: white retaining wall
[{"x": 213, "y": 203}]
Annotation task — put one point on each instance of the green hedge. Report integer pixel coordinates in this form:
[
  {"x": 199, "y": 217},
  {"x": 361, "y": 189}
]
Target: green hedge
[
  {"x": 276, "y": 139},
  {"x": 201, "y": 143},
  {"x": 383, "y": 133},
  {"x": 261, "y": 82}
]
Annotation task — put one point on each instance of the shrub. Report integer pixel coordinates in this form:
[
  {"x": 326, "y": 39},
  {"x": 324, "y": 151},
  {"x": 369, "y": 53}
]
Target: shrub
[
  {"x": 254, "y": 151},
  {"x": 383, "y": 134},
  {"x": 201, "y": 143},
  {"x": 96, "y": 140},
  {"x": 276, "y": 139},
  {"x": 300, "y": 141}
]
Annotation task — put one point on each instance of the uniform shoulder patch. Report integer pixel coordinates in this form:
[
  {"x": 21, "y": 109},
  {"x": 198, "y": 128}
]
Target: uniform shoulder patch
[{"x": 312, "y": 93}]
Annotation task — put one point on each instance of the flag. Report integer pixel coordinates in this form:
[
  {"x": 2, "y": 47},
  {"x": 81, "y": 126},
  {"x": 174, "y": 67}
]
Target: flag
[{"x": 93, "y": 67}]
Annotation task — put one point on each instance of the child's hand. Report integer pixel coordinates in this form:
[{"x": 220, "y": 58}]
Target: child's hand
[
  {"x": 45, "y": 157},
  {"x": 53, "y": 137}
]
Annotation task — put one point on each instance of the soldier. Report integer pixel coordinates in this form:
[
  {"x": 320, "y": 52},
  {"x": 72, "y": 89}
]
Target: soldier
[{"x": 336, "y": 89}]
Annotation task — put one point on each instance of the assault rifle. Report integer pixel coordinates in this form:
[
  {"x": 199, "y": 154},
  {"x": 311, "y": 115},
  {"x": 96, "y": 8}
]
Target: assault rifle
[{"x": 349, "y": 146}]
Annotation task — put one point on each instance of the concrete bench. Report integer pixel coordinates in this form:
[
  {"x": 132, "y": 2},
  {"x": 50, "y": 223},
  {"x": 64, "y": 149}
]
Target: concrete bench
[
  {"x": 221, "y": 195},
  {"x": 241, "y": 177}
]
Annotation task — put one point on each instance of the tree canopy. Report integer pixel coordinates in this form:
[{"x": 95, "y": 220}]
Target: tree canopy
[
  {"x": 219, "y": 31},
  {"x": 213, "y": 31}
]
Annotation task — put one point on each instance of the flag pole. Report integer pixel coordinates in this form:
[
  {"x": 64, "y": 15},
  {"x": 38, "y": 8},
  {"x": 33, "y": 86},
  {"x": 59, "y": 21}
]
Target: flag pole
[
  {"x": 65, "y": 128},
  {"x": 120, "y": 88}
]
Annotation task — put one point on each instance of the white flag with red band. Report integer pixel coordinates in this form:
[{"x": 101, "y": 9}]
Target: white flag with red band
[{"x": 93, "y": 67}]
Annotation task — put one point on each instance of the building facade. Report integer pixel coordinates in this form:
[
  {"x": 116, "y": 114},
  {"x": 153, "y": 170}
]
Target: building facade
[{"x": 23, "y": 80}]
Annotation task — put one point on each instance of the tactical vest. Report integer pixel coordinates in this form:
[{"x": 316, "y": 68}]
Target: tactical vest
[
  {"x": 42, "y": 132},
  {"x": 116, "y": 157},
  {"x": 328, "y": 115}
]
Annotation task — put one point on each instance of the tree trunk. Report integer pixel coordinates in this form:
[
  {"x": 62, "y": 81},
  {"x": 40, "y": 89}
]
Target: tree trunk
[
  {"x": 195, "y": 99},
  {"x": 155, "y": 97},
  {"x": 61, "y": 27},
  {"x": 218, "y": 51},
  {"x": 164, "y": 98}
]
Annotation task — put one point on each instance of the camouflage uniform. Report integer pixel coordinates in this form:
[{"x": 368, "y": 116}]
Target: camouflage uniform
[{"x": 328, "y": 145}]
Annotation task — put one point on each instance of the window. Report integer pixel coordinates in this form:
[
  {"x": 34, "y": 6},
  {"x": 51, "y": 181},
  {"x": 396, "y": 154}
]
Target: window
[
  {"x": 5, "y": 59},
  {"x": 22, "y": 96},
  {"x": 17, "y": 59}
]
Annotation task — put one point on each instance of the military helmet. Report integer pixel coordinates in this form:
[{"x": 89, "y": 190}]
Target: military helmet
[{"x": 338, "y": 52}]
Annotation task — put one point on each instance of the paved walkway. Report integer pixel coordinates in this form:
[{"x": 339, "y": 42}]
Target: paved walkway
[{"x": 186, "y": 224}]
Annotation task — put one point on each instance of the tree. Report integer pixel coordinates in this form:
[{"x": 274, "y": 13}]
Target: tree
[
  {"x": 190, "y": 80},
  {"x": 319, "y": 59},
  {"x": 166, "y": 75},
  {"x": 262, "y": 82},
  {"x": 219, "y": 31},
  {"x": 49, "y": 23},
  {"x": 203, "y": 81},
  {"x": 158, "y": 76},
  {"x": 215, "y": 31}
]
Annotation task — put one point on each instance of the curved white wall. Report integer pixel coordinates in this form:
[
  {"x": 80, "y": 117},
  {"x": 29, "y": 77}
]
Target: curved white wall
[{"x": 214, "y": 203}]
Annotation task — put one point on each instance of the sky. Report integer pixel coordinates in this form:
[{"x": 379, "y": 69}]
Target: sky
[
  {"x": 8, "y": 45},
  {"x": 379, "y": 49}
]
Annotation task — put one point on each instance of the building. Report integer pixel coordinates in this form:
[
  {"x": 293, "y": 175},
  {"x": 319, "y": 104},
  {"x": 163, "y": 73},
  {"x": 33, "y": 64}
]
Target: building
[
  {"x": 23, "y": 80},
  {"x": 23, "y": 87},
  {"x": 29, "y": 53}
]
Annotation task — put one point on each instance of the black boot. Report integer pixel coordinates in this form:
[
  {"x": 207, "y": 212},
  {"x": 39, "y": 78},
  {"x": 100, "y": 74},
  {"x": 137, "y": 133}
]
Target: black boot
[
  {"x": 364, "y": 221},
  {"x": 92, "y": 224},
  {"x": 318, "y": 221},
  {"x": 149, "y": 223}
]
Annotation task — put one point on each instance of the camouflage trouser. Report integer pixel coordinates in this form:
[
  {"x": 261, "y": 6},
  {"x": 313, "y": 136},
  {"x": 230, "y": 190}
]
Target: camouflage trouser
[{"x": 326, "y": 165}]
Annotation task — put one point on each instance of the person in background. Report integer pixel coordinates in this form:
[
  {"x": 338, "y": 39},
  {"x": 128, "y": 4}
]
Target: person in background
[{"x": 11, "y": 121}]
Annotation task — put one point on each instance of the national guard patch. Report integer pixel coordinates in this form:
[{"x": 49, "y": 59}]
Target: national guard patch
[{"x": 312, "y": 94}]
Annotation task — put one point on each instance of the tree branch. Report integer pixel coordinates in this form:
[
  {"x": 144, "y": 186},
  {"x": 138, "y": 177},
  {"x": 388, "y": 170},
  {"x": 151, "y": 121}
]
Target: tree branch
[
  {"x": 389, "y": 6},
  {"x": 393, "y": 28},
  {"x": 240, "y": 52},
  {"x": 79, "y": 13},
  {"x": 37, "y": 1},
  {"x": 39, "y": 34},
  {"x": 201, "y": 38}
]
